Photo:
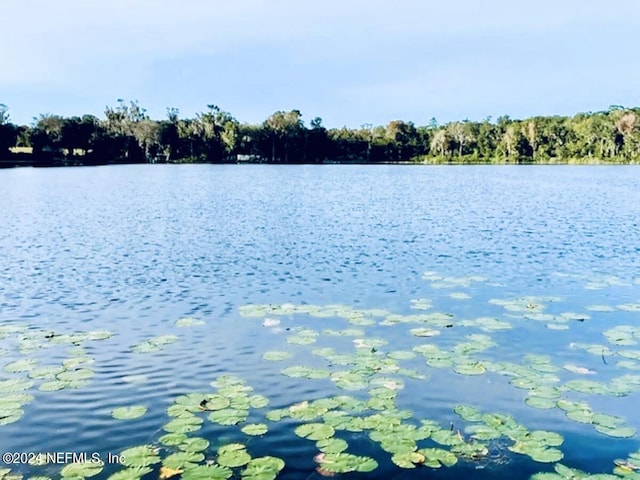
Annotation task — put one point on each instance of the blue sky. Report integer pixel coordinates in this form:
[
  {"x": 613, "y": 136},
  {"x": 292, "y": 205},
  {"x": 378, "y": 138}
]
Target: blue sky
[{"x": 349, "y": 62}]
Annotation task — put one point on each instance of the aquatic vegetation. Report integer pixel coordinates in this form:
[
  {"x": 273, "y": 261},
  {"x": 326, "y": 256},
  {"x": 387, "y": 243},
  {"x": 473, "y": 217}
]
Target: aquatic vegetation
[
  {"x": 202, "y": 435},
  {"x": 154, "y": 344},
  {"x": 189, "y": 322},
  {"x": 128, "y": 413},
  {"x": 81, "y": 470},
  {"x": 255, "y": 429}
]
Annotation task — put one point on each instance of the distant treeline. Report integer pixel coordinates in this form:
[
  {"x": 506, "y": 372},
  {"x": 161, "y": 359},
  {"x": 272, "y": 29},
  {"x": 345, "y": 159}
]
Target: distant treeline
[{"x": 128, "y": 135}]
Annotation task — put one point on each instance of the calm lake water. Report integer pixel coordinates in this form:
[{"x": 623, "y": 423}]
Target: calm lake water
[{"x": 133, "y": 249}]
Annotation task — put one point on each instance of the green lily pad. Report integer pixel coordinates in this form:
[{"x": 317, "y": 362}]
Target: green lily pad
[
  {"x": 173, "y": 439},
  {"x": 437, "y": 457},
  {"x": 81, "y": 470},
  {"x": 408, "y": 459},
  {"x": 53, "y": 385},
  {"x": 183, "y": 425},
  {"x": 424, "y": 332},
  {"x": 468, "y": 413},
  {"x": 401, "y": 355},
  {"x": 277, "y": 355},
  {"x": 128, "y": 413},
  {"x": 233, "y": 455},
  {"x": 15, "y": 385},
  {"x": 10, "y": 415},
  {"x": 475, "y": 368},
  {"x": 213, "y": 402},
  {"x": 182, "y": 460},
  {"x": 130, "y": 473},
  {"x": 206, "y": 472},
  {"x": 73, "y": 375},
  {"x": 346, "y": 462},
  {"x": 332, "y": 445},
  {"x": 228, "y": 416},
  {"x": 23, "y": 365},
  {"x": 141, "y": 456},
  {"x": 300, "y": 371},
  {"x": 315, "y": 431},
  {"x": 618, "y": 432},
  {"x": 587, "y": 386},
  {"x": 540, "y": 402},
  {"x": 447, "y": 437},
  {"x": 194, "y": 444},
  {"x": 546, "y": 455},
  {"x": 255, "y": 429},
  {"x": 263, "y": 468},
  {"x": 189, "y": 322},
  {"x": 47, "y": 372},
  {"x": 483, "y": 432},
  {"x": 258, "y": 401},
  {"x": 99, "y": 335}
]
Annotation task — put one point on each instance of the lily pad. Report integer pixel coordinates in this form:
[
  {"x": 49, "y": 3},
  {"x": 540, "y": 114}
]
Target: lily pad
[
  {"x": 141, "y": 456},
  {"x": 263, "y": 468},
  {"x": 53, "y": 385},
  {"x": 255, "y": 429},
  {"x": 233, "y": 455},
  {"x": 128, "y": 413},
  {"x": 182, "y": 460},
  {"x": 23, "y": 365},
  {"x": 346, "y": 462},
  {"x": 130, "y": 473},
  {"x": 15, "y": 385},
  {"x": 618, "y": 432},
  {"x": 332, "y": 445},
  {"x": 81, "y": 470},
  {"x": 189, "y": 322},
  {"x": 183, "y": 425},
  {"x": 194, "y": 444},
  {"x": 475, "y": 368},
  {"x": 315, "y": 431},
  {"x": 437, "y": 457},
  {"x": 206, "y": 472},
  {"x": 99, "y": 335},
  {"x": 173, "y": 439},
  {"x": 277, "y": 355},
  {"x": 228, "y": 416},
  {"x": 468, "y": 413},
  {"x": 424, "y": 332}
]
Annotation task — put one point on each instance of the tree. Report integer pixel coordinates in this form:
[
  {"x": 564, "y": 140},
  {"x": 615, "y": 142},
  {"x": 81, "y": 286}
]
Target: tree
[
  {"x": 440, "y": 143},
  {"x": 168, "y": 137},
  {"x": 8, "y": 131},
  {"x": 461, "y": 135},
  {"x": 530, "y": 133},
  {"x": 127, "y": 135},
  {"x": 286, "y": 130},
  {"x": 317, "y": 146}
]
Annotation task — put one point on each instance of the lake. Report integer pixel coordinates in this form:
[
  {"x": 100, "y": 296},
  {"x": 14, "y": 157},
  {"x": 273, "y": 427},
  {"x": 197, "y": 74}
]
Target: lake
[{"x": 379, "y": 321}]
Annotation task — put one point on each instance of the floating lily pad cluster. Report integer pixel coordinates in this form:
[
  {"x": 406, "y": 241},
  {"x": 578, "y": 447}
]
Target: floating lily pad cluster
[
  {"x": 540, "y": 445},
  {"x": 181, "y": 453},
  {"x": 534, "y": 308},
  {"x": 538, "y": 375},
  {"x": 373, "y": 376},
  {"x": 26, "y": 373}
]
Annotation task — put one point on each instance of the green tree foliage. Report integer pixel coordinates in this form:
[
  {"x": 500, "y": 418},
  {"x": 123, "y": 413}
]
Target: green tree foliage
[{"x": 127, "y": 134}]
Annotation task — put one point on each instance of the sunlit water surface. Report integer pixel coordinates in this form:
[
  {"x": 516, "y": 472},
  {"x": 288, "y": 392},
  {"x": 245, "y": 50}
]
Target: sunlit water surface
[{"x": 132, "y": 249}]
